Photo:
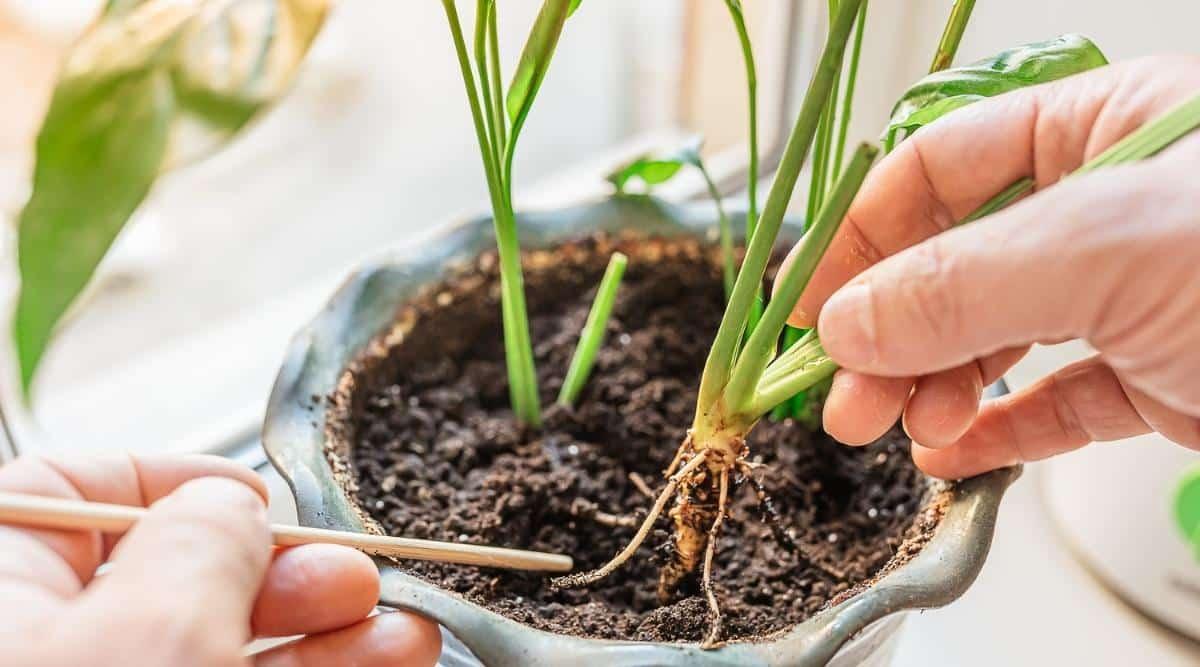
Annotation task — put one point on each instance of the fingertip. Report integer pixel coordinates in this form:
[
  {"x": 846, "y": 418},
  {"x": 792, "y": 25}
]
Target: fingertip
[
  {"x": 861, "y": 408},
  {"x": 943, "y": 406},
  {"x": 934, "y": 462},
  {"x": 315, "y": 588},
  {"x": 408, "y": 634}
]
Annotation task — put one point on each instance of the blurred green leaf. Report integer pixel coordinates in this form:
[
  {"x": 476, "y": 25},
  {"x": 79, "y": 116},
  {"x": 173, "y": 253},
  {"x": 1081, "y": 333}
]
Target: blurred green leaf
[
  {"x": 152, "y": 84},
  {"x": 656, "y": 170},
  {"x": 942, "y": 92},
  {"x": 574, "y": 5},
  {"x": 535, "y": 57}
]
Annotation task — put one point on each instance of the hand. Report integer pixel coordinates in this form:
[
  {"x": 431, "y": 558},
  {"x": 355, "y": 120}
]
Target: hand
[
  {"x": 191, "y": 583},
  {"x": 924, "y": 316}
]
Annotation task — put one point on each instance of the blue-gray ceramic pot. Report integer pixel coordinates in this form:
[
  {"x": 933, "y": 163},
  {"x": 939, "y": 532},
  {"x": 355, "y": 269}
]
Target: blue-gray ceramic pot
[{"x": 861, "y": 630}]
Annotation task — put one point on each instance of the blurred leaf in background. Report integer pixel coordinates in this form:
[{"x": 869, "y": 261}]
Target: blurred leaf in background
[
  {"x": 151, "y": 85},
  {"x": 942, "y": 92}
]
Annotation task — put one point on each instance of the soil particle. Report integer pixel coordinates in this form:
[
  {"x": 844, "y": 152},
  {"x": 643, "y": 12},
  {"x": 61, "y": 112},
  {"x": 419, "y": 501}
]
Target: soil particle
[{"x": 434, "y": 453}]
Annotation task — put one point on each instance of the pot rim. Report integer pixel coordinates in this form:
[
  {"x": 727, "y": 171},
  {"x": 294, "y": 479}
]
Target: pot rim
[{"x": 294, "y": 437}]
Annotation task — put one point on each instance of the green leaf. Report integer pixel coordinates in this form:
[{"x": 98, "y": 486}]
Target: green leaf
[
  {"x": 574, "y": 5},
  {"x": 150, "y": 85},
  {"x": 656, "y": 170},
  {"x": 1019, "y": 67},
  {"x": 926, "y": 115},
  {"x": 535, "y": 58}
]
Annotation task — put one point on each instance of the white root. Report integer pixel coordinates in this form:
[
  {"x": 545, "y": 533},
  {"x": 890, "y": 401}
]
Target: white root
[
  {"x": 714, "y": 629},
  {"x": 585, "y": 578}
]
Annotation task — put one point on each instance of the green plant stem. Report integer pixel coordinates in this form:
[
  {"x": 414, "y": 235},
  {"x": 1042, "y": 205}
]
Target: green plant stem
[
  {"x": 482, "y": 10},
  {"x": 501, "y": 120},
  {"x": 851, "y": 80},
  {"x": 718, "y": 366},
  {"x": 725, "y": 231},
  {"x": 791, "y": 335},
  {"x": 593, "y": 331},
  {"x": 739, "y": 23},
  {"x": 808, "y": 367},
  {"x": 759, "y": 350},
  {"x": 952, "y": 36},
  {"x": 518, "y": 351}
]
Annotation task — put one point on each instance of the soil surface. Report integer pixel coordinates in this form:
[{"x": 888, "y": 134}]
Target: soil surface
[{"x": 435, "y": 454}]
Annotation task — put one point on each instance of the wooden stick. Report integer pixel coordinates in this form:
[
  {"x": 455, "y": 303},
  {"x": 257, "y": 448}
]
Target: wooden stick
[{"x": 45, "y": 512}]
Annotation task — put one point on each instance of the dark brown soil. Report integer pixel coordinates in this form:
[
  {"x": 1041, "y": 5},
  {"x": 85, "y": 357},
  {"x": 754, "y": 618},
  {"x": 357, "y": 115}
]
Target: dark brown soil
[{"x": 435, "y": 454}]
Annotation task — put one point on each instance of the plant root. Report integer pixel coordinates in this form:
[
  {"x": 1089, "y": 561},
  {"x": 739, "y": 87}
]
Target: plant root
[
  {"x": 694, "y": 513},
  {"x": 770, "y": 513},
  {"x": 640, "y": 484},
  {"x": 714, "y": 628},
  {"x": 585, "y": 578},
  {"x": 684, "y": 448}
]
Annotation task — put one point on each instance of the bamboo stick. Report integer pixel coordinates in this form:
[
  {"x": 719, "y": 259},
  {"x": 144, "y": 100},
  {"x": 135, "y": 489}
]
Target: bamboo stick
[{"x": 62, "y": 513}]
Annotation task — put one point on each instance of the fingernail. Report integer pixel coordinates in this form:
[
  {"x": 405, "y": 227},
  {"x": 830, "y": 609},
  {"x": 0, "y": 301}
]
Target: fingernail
[{"x": 847, "y": 327}]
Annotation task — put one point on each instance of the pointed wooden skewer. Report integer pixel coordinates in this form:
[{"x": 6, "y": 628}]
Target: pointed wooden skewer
[{"x": 45, "y": 512}]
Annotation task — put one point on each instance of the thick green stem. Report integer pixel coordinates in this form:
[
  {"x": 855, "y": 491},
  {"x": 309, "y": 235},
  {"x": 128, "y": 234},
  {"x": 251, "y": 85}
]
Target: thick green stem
[
  {"x": 760, "y": 348},
  {"x": 952, "y": 36},
  {"x": 593, "y": 331},
  {"x": 718, "y": 366},
  {"x": 518, "y": 350}
]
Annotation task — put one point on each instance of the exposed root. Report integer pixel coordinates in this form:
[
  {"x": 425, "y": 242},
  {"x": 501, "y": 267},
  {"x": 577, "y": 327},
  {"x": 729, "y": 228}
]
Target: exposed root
[
  {"x": 770, "y": 513},
  {"x": 684, "y": 448},
  {"x": 585, "y": 578},
  {"x": 714, "y": 628},
  {"x": 640, "y": 484},
  {"x": 694, "y": 512},
  {"x": 589, "y": 510}
]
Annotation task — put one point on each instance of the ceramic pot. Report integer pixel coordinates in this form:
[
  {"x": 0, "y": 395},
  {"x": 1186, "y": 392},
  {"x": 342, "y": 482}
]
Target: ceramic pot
[{"x": 862, "y": 630}]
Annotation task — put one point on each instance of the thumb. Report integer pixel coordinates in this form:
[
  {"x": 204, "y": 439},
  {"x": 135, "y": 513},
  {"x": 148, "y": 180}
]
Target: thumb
[
  {"x": 184, "y": 579},
  {"x": 1094, "y": 257}
]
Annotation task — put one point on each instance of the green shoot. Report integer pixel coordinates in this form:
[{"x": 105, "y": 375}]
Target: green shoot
[
  {"x": 851, "y": 79},
  {"x": 956, "y": 25},
  {"x": 593, "y": 331},
  {"x": 497, "y": 145},
  {"x": 739, "y": 24},
  {"x": 741, "y": 393},
  {"x": 719, "y": 365},
  {"x": 827, "y": 165}
]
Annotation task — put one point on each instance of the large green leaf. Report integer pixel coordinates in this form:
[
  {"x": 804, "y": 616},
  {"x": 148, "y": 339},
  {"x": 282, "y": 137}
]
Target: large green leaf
[
  {"x": 152, "y": 84},
  {"x": 942, "y": 92},
  {"x": 535, "y": 57}
]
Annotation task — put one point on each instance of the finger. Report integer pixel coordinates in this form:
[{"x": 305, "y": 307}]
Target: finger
[
  {"x": 315, "y": 588},
  {"x": 184, "y": 579},
  {"x": 1081, "y": 403},
  {"x": 119, "y": 479},
  {"x": 397, "y": 638},
  {"x": 1007, "y": 281},
  {"x": 1175, "y": 426},
  {"x": 861, "y": 408},
  {"x": 943, "y": 405},
  {"x": 950, "y": 168}
]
